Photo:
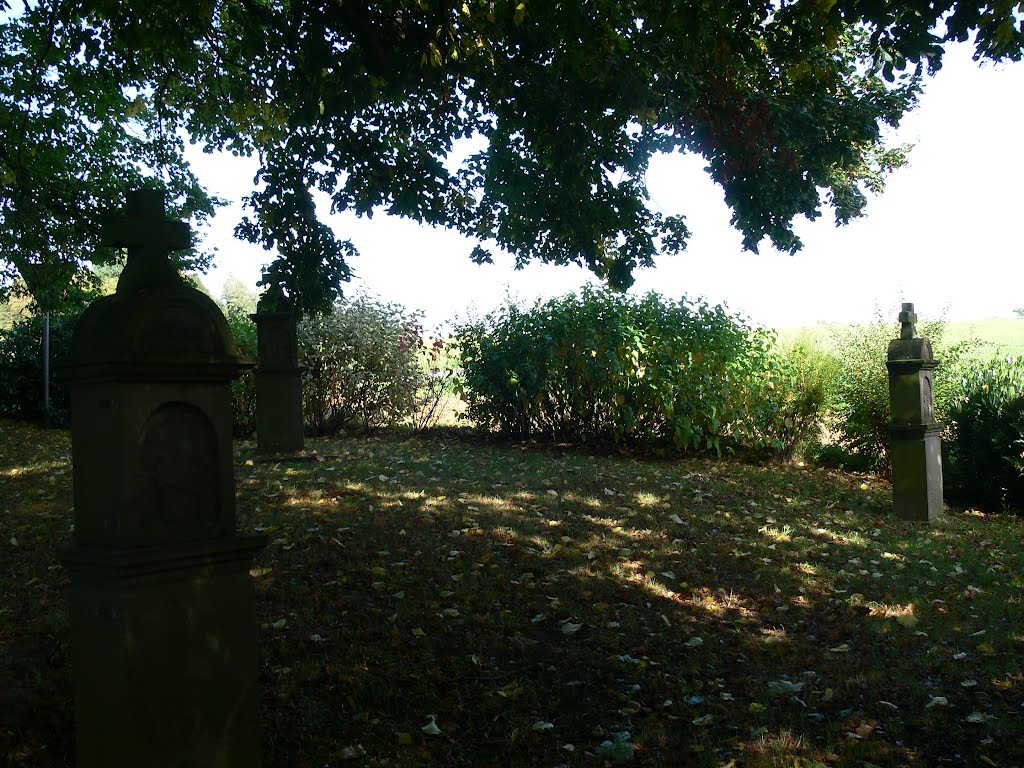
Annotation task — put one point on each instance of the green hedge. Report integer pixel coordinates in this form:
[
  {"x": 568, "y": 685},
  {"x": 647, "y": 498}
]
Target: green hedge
[
  {"x": 610, "y": 369},
  {"x": 983, "y": 448},
  {"x": 21, "y": 368}
]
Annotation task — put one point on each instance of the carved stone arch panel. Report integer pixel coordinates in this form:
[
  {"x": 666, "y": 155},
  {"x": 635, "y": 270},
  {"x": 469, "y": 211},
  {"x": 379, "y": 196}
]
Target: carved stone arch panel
[{"x": 177, "y": 490}]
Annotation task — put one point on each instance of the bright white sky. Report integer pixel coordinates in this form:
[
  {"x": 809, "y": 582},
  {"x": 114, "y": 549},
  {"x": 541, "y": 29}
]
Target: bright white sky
[{"x": 945, "y": 235}]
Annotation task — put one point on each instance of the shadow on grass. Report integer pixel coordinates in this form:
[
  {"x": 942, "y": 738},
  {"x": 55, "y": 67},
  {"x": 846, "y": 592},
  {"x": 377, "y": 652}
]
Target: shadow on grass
[
  {"x": 715, "y": 611},
  {"x": 532, "y": 604}
]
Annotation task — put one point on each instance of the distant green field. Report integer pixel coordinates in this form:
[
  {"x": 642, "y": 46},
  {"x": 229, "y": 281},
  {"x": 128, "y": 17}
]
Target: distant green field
[{"x": 997, "y": 336}]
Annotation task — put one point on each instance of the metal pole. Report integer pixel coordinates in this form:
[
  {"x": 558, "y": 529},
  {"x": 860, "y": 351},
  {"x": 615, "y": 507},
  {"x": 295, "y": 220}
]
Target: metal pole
[{"x": 46, "y": 369}]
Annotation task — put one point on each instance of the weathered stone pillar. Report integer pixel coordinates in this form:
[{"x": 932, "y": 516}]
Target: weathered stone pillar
[
  {"x": 915, "y": 442},
  {"x": 163, "y": 622},
  {"x": 279, "y": 427}
]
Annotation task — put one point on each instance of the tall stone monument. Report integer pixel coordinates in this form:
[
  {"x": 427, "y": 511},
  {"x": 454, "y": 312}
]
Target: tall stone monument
[
  {"x": 163, "y": 622},
  {"x": 915, "y": 442},
  {"x": 279, "y": 427}
]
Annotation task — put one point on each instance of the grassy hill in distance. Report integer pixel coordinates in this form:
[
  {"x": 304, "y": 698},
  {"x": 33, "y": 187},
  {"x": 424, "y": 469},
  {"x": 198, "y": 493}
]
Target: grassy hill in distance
[{"x": 998, "y": 336}]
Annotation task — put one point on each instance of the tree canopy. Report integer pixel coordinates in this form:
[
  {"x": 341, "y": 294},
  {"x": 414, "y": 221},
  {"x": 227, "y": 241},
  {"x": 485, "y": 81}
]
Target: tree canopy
[{"x": 366, "y": 102}]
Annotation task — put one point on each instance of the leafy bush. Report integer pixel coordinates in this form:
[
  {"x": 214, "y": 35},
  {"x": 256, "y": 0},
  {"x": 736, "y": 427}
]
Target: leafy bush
[
  {"x": 362, "y": 367},
  {"x": 789, "y": 396},
  {"x": 21, "y": 368},
  {"x": 368, "y": 364},
  {"x": 243, "y": 389},
  {"x": 437, "y": 361},
  {"x": 610, "y": 369},
  {"x": 859, "y": 392},
  {"x": 983, "y": 448}
]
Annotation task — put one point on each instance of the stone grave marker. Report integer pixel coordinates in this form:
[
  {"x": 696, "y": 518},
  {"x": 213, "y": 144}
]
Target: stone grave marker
[
  {"x": 279, "y": 427},
  {"x": 163, "y": 623},
  {"x": 915, "y": 441}
]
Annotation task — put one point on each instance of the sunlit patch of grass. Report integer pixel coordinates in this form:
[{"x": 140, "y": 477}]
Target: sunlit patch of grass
[
  {"x": 890, "y": 610},
  {"x": 647, "y": 500},
  {"x": 773, "y": 635},
  {"x": 776, "y": 745},
  {"x": 36, "y": 468},
  {"x": 782, "y": 535},
  {"x": 656, "y": 588}
]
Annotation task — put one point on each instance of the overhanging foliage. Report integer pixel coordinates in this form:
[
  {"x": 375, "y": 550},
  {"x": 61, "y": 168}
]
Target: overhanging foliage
[{"x": 365, "y": 102}]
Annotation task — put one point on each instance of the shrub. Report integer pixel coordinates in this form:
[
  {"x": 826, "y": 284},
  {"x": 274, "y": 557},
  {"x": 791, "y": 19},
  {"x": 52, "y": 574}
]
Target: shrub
[
  {"x": 859, "y": 392},
  {"x": 437, "y": 361},
  {"x": 243, "y": 389},
  {"x": 610, "y": 369},
  {"x": 789, "y": 396},
  {"x": 21, "y": 368},
  {"x": 362, "y": 369},
  {"x": 983, "y": 448}
]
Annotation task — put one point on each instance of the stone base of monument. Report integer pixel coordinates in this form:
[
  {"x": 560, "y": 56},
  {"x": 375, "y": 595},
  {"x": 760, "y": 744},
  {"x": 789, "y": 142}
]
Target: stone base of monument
[
  {"x": 164, "y": 654},
  {"x": 279, "y": 427},
  {"x": 915, "y": 453}
]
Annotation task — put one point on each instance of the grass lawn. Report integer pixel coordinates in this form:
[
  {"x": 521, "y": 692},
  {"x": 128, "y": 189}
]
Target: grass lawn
[
  {"x": 537, "y": 606},
  {"x": 995, "y": 337}
]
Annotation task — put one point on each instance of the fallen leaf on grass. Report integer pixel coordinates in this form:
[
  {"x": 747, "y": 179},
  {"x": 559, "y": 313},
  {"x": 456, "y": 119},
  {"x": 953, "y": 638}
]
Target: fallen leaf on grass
[
  {"x": 352, "y": 753},
  {"x": 784, "y": 688},
  {"x": 908, "y": 620},
  {"x": 431, "y": 728},
  {"x": 937, "y": 701},
  {"x": 571, "y": 629}
]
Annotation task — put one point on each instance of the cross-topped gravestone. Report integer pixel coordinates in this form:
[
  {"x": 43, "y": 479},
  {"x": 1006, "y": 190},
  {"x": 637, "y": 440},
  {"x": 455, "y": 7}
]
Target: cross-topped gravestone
[
  {"x": 163, "y": 623},
  {"x": 915, "y": 442}
]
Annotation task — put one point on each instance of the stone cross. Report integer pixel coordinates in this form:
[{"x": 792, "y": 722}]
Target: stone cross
[
  {"x": 908, "y": 322},
  {"x": 143, "y": 228},
  {"x": 163, "y": 618}
]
